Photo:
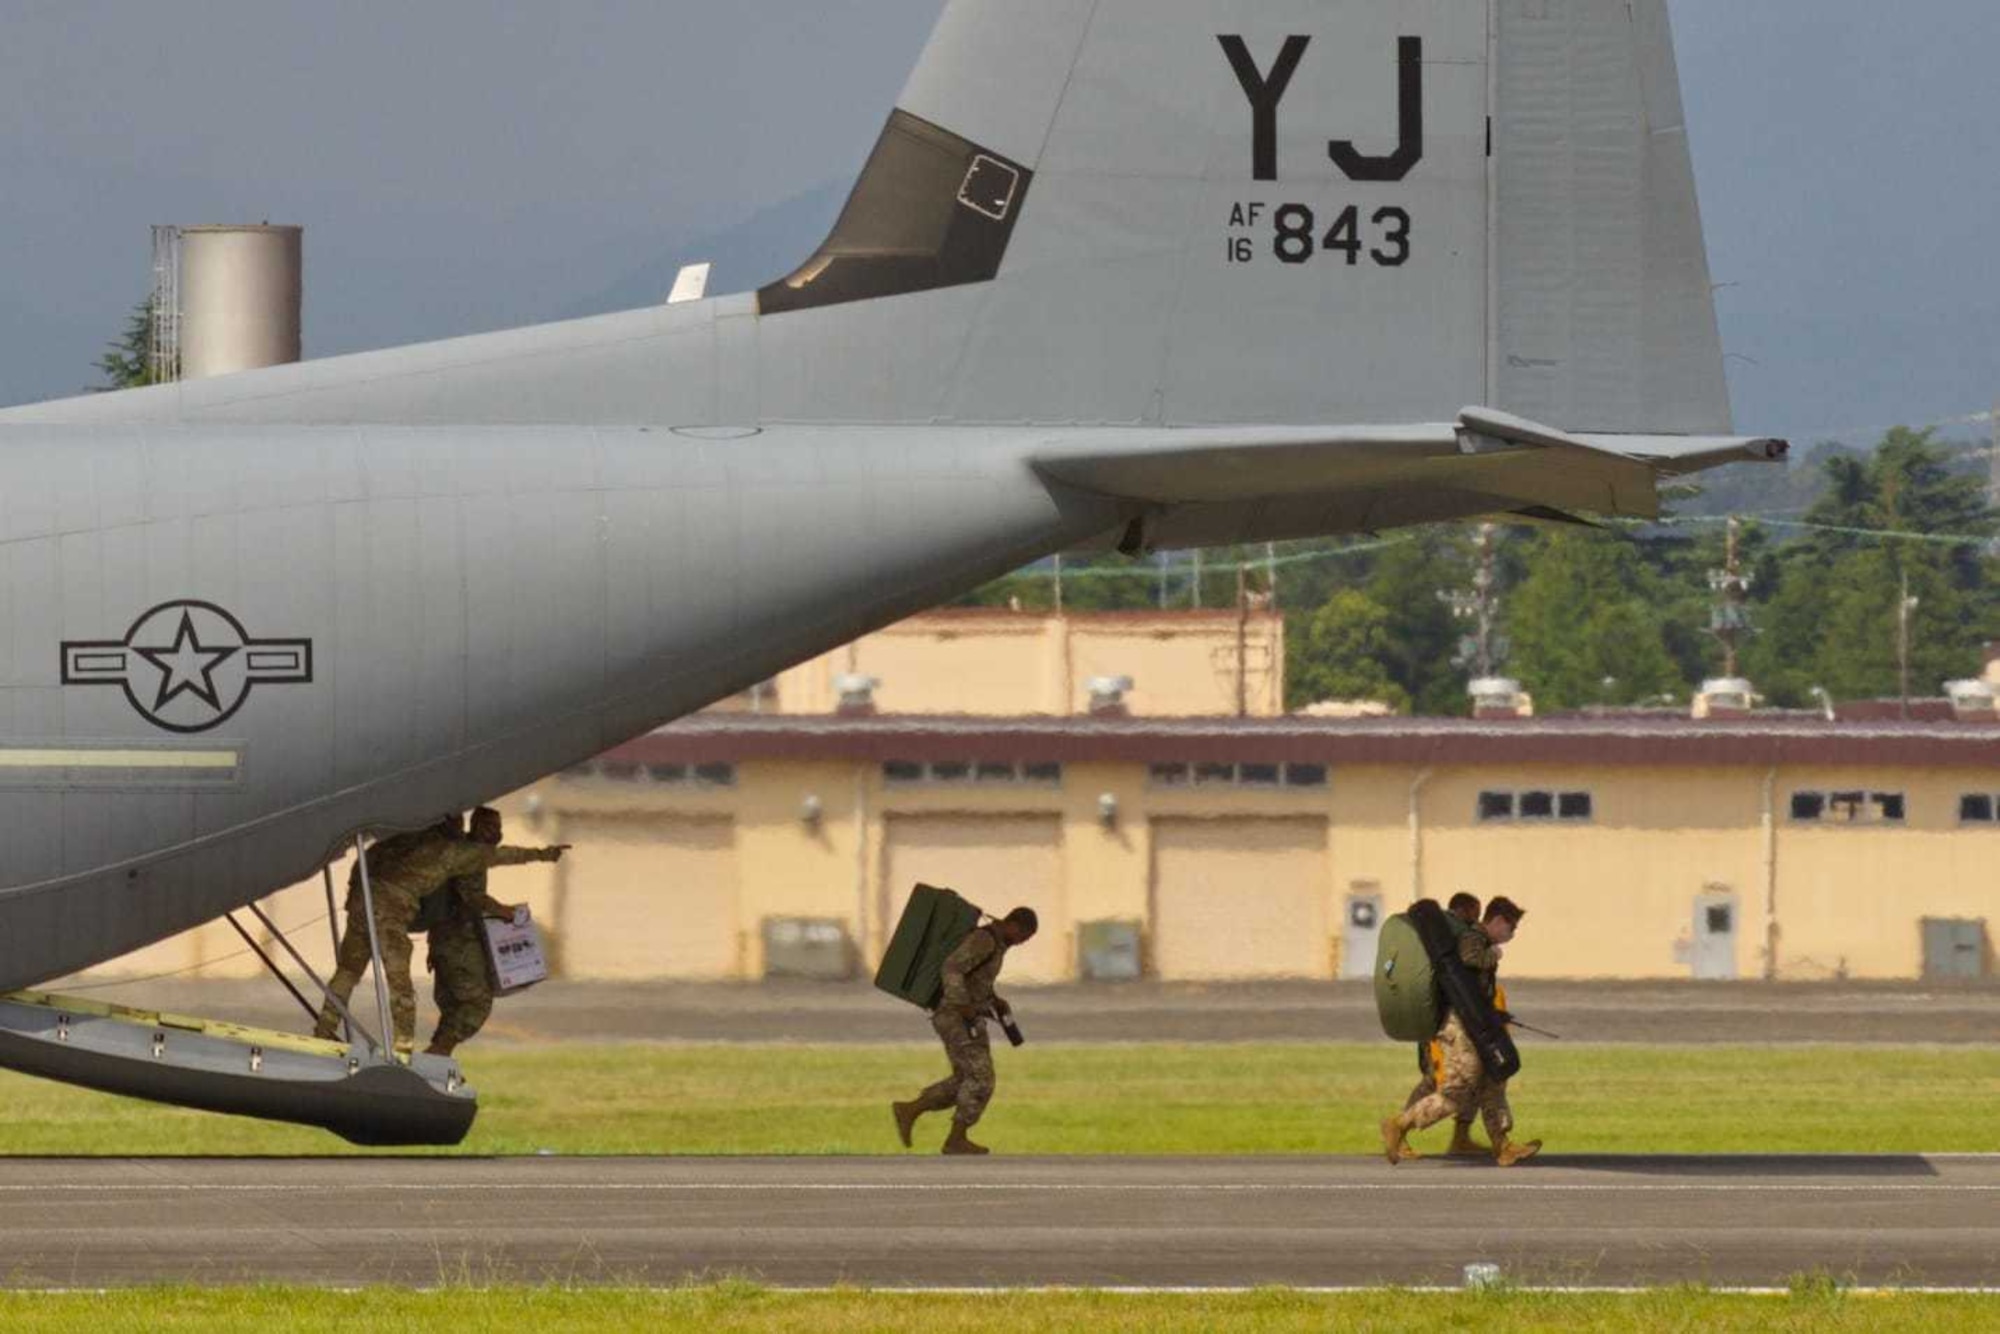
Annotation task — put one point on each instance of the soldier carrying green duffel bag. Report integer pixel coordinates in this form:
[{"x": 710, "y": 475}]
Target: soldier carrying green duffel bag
[{"x": 941, "y": 959}]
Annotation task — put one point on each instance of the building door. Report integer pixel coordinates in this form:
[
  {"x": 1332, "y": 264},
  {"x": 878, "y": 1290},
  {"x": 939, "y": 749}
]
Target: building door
[
  {"x": 1715, "y": 921},
  {"x": 999, "y": 862},
  {"x": 1240, "y": 898},
  {"x": 647, "y": 896},
  {"x": 1954, "y": 947},
  {"x": 1360, "y": 930}
]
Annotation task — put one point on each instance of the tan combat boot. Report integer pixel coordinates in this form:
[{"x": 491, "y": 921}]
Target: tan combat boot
[
  {"x": 1463, "y": 1145},
  {"x": 1507, "y": 1152},
  {"x": 906, "y": 1114},
  {"x": 956, "y": 1142},
  {"x": 1395, "y": 1139}
]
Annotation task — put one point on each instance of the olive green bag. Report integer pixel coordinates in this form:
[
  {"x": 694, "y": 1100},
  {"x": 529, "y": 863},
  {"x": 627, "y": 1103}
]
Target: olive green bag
[
  {"x": 933, "y": 923},
  {"x": 1406, "y": 987}
]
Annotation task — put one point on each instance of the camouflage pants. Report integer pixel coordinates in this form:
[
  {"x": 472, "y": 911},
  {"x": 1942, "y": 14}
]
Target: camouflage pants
[
  {"x": 1463, "y": 1090},
  {"x": 1429, "y": 1056},
  {"x": 970, "y": 1086},
  {"x": 393, "y": 916},
  {"x": 463, "y": 991}
]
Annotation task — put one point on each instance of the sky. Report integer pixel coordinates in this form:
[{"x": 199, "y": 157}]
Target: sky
[{"x": 465, "y": 166}]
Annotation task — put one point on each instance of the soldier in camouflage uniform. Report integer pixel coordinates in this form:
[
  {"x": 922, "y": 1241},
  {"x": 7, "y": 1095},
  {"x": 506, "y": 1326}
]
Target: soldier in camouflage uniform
[
  {"x": 1462, "y": 912},
  {"x": 401, "y": 870},
  {"x": 463, "y": 988},
  {"x": 1464, "y": 1085},
  {"x": 960, "y": 1021}
]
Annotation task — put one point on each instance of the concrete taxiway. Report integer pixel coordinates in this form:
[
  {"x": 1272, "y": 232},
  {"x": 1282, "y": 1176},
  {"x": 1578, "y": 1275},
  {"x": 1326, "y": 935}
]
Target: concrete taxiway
[{"x": 924, "y": 1221}]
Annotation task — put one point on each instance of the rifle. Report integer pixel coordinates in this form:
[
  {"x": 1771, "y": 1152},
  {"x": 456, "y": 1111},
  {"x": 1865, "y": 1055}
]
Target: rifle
[{"x": 1506, "y": 1018}]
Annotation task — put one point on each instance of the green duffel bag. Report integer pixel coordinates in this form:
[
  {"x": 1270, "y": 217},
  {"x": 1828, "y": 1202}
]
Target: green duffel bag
[
  {"x": 933, "y": 923},
  {"x": 1406, "y": 984}
]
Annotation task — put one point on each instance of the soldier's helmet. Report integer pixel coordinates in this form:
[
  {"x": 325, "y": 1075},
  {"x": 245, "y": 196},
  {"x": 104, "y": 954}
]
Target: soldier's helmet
[{"x": 1024, "y": 921}]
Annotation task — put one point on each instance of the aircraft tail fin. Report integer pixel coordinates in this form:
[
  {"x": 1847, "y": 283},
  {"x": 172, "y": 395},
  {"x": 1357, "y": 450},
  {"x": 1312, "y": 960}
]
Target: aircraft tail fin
[
  {"x": 1168, "y": 213},
  {"x": 1206, "y": 211}
]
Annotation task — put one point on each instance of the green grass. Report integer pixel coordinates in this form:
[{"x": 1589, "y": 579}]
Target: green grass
[
  {"x": 730, "y": 1307},
  {"x": 1160, "y": 1098}
]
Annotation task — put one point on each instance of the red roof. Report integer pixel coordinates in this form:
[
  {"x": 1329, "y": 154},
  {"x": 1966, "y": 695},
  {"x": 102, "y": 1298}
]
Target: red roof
[{"x": 1754, "y": 741}]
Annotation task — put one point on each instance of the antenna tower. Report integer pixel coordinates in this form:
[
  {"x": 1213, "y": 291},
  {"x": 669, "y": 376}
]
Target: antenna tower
[
  {"x": 1729, "y": 621},
  {"x": 1482, "y": 649}
]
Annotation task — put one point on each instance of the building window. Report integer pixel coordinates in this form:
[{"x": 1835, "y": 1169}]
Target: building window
[
  {"x": 1975, "y": 808},
  {"x": 1851, "y": 806},
  {"x": 662, "y": 775},
  {"x": 1534, "y": 805},
  {"x": 984, "y": 773},
  {"x": 1254, "y": 774}
]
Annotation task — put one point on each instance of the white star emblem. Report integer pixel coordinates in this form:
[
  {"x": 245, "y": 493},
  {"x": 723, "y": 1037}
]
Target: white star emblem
[{"x": 189, "y": 668}]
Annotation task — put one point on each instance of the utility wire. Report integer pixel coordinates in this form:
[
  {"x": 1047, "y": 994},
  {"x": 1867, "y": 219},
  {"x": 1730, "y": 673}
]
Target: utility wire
[{"x": 177, "y": 972}]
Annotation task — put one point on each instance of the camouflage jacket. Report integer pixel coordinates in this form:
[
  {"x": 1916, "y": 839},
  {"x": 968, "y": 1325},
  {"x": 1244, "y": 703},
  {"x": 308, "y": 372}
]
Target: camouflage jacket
[
  {"x": 970, "y": 970},
  {"x": 416, "y": 868},
  {"x": 461, "y": 901},
  {"x": 1477, "y": 952}
]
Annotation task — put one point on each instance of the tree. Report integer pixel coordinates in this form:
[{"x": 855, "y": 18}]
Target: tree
[
  {"x": 1344, "y": 652},
  {"x": 127, "y": 362},
  {"x": 1423, "y": 638},
  {"x": 1830, "y": 621},
  {"x": 1585, "y": 624}
]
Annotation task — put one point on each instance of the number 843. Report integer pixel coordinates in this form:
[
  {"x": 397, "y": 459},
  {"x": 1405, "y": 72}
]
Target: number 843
[{"x": 1296, "y": 236}]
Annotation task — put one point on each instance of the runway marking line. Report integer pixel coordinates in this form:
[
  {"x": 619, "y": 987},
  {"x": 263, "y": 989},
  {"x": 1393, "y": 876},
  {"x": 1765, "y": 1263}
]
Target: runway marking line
[{"x": 1065, "y": 1188}]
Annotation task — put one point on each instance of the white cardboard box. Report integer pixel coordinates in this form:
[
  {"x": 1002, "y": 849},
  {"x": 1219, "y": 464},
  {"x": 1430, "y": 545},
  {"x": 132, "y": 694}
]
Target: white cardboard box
[{"x": 514, "y": 952}]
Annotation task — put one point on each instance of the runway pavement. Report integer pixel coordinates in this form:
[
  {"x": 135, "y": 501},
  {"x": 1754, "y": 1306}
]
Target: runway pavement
[{"x": 926, "y": 1221}]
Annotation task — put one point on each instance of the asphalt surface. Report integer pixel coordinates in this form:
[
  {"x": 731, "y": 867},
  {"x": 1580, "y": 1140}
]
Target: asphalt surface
[
  {"x": 1621, "y": 1012},
  {"x": 924, "y": 1221}
]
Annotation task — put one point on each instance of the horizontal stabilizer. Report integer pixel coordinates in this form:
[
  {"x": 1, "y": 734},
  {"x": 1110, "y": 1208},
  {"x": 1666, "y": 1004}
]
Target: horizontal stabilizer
[
  {"x": 1544, "y": 516},
  {"x": 1263, "y": 483}
]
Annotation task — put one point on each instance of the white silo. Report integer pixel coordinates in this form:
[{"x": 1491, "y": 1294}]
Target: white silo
[{"x": 240, "y": 290}]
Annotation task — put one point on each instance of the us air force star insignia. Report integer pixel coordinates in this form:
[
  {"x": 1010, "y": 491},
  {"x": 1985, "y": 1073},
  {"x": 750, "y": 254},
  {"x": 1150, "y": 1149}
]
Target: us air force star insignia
[{"x": 186, "y": 666}]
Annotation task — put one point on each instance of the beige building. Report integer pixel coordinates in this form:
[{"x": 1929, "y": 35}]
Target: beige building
[
  {"x": 1175, "y": 664},
  {"x": 1243, "y": 849},
  {"x": 737, "y": 846}
]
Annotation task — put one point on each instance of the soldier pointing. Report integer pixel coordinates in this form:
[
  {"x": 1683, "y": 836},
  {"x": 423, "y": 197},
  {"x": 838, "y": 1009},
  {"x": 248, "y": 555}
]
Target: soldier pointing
[
  {"x": 463, "y": 990},
  {"x": 401, "y": 871}
]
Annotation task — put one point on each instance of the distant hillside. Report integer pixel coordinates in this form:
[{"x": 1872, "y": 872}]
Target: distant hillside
[{"x": 767, "y": 245}]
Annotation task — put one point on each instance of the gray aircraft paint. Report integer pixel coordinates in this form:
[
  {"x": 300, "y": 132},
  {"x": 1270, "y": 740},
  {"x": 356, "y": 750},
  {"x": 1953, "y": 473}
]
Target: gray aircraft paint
[{"x": 510, "y": 552}]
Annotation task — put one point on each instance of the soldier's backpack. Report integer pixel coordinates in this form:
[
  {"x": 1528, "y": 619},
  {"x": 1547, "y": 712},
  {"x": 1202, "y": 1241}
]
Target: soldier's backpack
[
  {"x": 1406, "y": 988},
  {"x": 933, "y": 923},
  {"x": 1418, "y": 976}
]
